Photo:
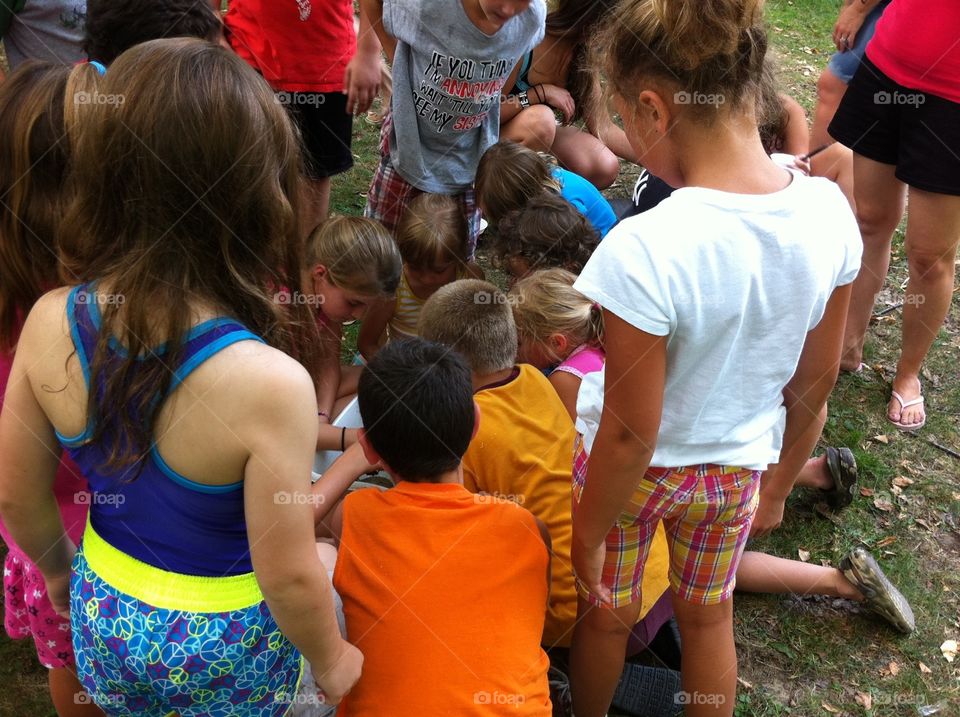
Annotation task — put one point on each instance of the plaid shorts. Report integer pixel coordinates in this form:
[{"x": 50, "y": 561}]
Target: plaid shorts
[
  {"x": 390, "y": 194},
  {"x": 706, "y": 511}
]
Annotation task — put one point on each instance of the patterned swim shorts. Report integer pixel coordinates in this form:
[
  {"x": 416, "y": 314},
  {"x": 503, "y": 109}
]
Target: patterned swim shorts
[{"x": 212, "y": 649}]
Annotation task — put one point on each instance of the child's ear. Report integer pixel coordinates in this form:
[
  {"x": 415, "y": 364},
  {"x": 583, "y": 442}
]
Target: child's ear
[
  {"x": 559, "y": 343},
  {"x": 369, "y": 452},
  {"x": 318, "y": 271},
  {"x": 656, "y": 110}
]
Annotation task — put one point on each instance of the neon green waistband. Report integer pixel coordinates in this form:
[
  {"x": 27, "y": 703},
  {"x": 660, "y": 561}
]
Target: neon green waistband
[{"x": 163, "y": 589}]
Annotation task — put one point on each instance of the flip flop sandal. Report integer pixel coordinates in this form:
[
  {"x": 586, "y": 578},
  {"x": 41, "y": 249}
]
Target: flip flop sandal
[
  {"x": 860, "y": 568},
  {"x": 908, "y": 427},
  {"x": 843, "y": 469}
]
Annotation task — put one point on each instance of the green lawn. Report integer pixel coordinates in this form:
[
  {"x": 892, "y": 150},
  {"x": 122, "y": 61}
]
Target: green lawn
[{"x": 803, "y": 656}]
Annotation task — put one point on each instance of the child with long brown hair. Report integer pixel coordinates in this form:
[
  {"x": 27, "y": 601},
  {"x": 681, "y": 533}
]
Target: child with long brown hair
[
  {"x": 723, "y": 312},
  {"x": 39, "y": 113},
  {"x": 433, "y": 240},
  {"x": 181, "y": 221}
]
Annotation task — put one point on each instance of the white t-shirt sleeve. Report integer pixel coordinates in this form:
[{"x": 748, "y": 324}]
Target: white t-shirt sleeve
[{"x": 621, "y": 277}]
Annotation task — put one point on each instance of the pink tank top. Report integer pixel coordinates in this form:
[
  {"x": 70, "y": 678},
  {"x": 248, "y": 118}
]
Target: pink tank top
[{"x": 584, "y": 359}]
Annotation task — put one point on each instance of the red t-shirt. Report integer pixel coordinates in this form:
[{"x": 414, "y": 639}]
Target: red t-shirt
[
  {"x": 298, "y": 45},
  {"x": 917, "y": 45}
]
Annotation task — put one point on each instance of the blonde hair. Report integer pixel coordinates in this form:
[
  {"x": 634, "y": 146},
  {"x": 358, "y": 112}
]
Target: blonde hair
[
  {"x": 473, "y": 317},
  {"x": 432, "y": 228},
  {"x": 545, "y": 303},
  {"x": 508, "y": 176},
  {"x": 703, "y": 48},
  {"x": 358, "y": 253}
]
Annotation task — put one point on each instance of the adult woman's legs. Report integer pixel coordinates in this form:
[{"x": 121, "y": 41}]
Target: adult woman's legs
[
  {"x": 830, "y": 90},
  {"x": 933, "y": 231},
  {"x": 880, "y": 199}
]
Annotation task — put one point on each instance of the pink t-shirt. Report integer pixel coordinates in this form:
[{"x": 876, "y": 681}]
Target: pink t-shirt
[
  {"x": 916, "y": 45},
  {"x": 584, "y": 359},
  {"x": 69, "y": 487}
]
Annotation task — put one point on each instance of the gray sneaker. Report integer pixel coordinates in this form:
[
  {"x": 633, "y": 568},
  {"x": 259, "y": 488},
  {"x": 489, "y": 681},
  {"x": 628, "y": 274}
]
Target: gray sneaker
[{"x": 860, "y": 568}]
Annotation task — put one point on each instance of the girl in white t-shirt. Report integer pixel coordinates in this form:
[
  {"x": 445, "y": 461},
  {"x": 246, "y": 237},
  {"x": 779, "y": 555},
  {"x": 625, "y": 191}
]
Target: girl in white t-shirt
[{"x": 723, "y": 309}]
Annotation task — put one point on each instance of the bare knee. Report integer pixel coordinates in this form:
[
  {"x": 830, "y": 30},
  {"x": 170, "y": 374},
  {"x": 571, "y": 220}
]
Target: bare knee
[
  {"x": 697, "y": 616},
  {"x": 614, "y": 623},
  {"x": 875, "y": 218},
  {"x": 534, "y": 127},
  {"x": 605, "y": 170},
  {"x": 830, "y": 88},
  {"x": 927, "y": 265}
]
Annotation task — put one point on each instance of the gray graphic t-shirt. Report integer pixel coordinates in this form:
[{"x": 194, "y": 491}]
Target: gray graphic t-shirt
[
  {"x": 46, "y": 30},
  {"x": 447, "y": 80}
]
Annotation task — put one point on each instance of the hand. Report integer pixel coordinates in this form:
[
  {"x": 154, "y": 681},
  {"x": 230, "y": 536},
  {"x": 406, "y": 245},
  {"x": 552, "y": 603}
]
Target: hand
[
  {"x": 558, "y": 98},
  {"x": 802, "y": 164},
  {"x": 361, "y": 82},
  {"x": 58, "y": 592},
  {"x": 588, "y": 567},
  {"x": 769, "y": 515},
  {"x": 341, "y": 676},
  {"x": 848, "y": 25}
]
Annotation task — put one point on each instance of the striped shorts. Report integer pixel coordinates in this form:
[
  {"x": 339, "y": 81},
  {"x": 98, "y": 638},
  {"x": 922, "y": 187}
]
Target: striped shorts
[{"x": 706, "y": 511}]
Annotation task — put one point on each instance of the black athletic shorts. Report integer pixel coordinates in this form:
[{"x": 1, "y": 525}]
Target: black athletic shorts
[
  {"x": 326, "y": 130},
  {"x": 917, "y": 132}
]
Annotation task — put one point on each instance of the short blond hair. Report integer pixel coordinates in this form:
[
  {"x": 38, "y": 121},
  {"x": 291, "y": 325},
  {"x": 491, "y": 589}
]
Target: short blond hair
[
  {"x": 545, "y": 303},
  {"x": 473, "y": 317},
  {"x": 358, "y": 253},
  {"x": 433, "y": 229}
]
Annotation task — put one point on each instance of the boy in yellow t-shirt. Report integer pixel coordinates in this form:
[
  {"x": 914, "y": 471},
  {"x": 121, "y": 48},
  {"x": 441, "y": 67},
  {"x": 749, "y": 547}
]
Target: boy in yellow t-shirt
[{"x": 523, "y": 450}]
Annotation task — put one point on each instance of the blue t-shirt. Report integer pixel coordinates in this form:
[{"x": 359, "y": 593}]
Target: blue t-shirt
[{"x": 587, "y": 199}]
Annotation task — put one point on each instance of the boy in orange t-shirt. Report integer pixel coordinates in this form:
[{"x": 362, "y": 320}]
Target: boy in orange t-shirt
[
  {"x": 523, "y": 450},
  {"x": 444, "y": 593}
]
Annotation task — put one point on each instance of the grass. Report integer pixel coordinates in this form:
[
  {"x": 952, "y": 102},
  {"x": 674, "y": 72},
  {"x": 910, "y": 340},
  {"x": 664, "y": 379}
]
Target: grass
[{"x": 810, "y": 656}]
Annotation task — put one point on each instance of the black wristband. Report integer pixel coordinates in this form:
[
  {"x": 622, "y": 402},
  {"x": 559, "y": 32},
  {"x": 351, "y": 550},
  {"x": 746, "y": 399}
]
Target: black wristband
[{"x": 343, "y": 439}]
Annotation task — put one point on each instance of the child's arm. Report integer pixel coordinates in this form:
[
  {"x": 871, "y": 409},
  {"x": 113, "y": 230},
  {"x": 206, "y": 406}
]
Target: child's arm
[
  {"x": 805, "y": 398},
  {"x": 567, "y": 386},
  {"x": 635, "y": 366},
  {"x": 371, "y": 21},
  {"x": 361, "y": 81},
  {"x": 548, "y": 542},
  {"x": 797, "y": 138},
  {"x": 29, "y": 456},
  {"x": 280, "y": 524},
  {"x": 331, "y": 487},
  {"x": 373, "y": 326}
]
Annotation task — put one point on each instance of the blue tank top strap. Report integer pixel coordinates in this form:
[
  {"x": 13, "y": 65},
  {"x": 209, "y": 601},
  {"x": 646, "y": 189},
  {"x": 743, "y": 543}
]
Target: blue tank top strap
[{"x": 522, "y": 83}]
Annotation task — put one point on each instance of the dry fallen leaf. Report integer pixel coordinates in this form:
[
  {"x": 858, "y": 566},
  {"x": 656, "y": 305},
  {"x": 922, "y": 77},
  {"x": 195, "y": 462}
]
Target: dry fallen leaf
[
  {"x": 889, "y": 540},
  {"x": 924, "y": 669},
  {"x": 804, "y": 555},
  {"x": 866, "y": 492},
  {"x": 949, "y": 650},
  {"x": 743, "y": 683},
  {"x": 883, "y": 504},
  {"x": 902, "y": 481},
  {"x": 881, "y": 439},
  {"x": 894, "y": 668},
  {"x": 830, "y": 708},
  {"x": 863, "y": 698}
]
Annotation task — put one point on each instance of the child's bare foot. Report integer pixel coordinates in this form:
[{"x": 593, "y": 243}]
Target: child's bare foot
[{"x": 906, "y": 410}]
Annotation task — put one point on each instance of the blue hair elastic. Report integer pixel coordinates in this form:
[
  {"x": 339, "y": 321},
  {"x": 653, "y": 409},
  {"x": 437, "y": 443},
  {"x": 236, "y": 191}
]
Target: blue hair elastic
[{"x": 98, "y": 66}]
